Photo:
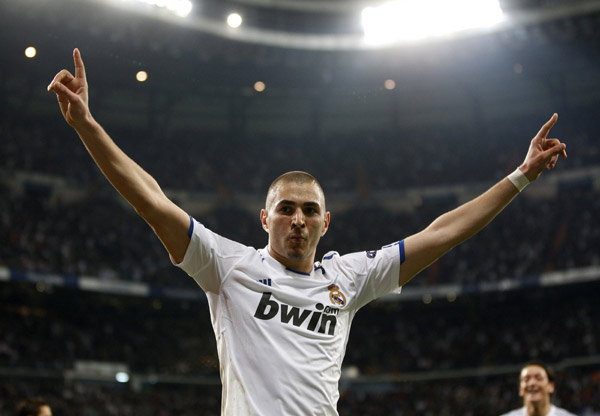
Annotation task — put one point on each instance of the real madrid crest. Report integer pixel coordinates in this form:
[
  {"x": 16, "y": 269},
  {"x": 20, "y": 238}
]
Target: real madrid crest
[{"x": 336, "y": 297}]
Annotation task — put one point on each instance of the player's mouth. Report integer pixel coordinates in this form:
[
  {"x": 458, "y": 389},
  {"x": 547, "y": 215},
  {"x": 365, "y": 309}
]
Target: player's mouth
[{"x": 296, "y": 238}]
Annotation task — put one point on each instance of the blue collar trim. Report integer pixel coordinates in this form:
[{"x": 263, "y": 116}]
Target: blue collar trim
[{"x": 296, "y": 271}]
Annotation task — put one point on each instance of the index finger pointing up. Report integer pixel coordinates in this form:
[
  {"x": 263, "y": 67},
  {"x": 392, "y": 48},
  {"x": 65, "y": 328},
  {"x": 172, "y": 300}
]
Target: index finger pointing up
[
  {"x": 79, "y": 67},
  {"x": 543, "y": 133}
]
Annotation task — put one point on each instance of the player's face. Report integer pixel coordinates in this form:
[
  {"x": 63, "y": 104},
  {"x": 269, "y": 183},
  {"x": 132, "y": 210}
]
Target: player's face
[
  {"x": 45, "y": 411},
  {"x": 534, "y": 385},
  {"x": 295, "y": 220}
]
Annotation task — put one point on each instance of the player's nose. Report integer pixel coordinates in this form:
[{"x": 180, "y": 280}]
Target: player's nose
[{"x": 298, "y": 218}]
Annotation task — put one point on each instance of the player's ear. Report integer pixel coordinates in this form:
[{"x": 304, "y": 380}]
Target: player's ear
[
  {"x": 327, "y": 220},
  {"x": 263, "y": 220},
  {"x": 551, "y": 388}
]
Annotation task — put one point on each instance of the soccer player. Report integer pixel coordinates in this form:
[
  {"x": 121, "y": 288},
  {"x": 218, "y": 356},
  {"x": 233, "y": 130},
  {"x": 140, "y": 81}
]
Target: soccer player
[
  {"x": 281, "y": 319},
  {"x": 34, "y": 406},
  {"x": 536, "y": 387}
]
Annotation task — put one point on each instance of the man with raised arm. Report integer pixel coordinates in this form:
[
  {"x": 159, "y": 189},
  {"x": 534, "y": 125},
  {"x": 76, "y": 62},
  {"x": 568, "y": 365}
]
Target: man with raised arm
[{"x": 281, "y": 319}]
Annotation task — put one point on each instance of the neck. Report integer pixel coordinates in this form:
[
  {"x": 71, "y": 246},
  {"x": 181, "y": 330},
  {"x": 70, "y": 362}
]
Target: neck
[
  {"x": 304, "y": 265},
  {"x": 538, "y": 409}
]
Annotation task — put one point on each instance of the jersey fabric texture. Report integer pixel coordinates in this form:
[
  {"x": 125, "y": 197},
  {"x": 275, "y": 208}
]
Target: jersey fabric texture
[
  {"x": 554, "y": 411},
  {"x": 282, "y": 334}
]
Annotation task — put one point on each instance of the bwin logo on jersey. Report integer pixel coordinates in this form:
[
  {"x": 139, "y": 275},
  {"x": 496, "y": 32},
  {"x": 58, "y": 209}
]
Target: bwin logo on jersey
[{"x": 322, "y": 322}]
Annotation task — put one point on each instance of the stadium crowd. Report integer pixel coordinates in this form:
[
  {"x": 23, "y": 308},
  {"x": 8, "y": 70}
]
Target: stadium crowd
[
  {"x": 372, "y": 161},
  {"x": 100, "y": 237},
  {"x": 96, "y": 236},
  {"x": 169, "y": 337},
  {"x": 484, "y": 396},
  {"x": 389, "y": 336}
]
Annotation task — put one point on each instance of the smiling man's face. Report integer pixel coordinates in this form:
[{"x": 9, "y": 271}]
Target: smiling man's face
[
  {"x": 534, "y": 386},
  {"x": 295, "y": 219}
]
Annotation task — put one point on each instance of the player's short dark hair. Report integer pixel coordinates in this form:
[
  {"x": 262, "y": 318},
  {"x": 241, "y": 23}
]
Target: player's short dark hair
[
  {"x": 296, "y": 176},
  {"x": 549, "y": 371},
  {"x": 31, "y": 406}
]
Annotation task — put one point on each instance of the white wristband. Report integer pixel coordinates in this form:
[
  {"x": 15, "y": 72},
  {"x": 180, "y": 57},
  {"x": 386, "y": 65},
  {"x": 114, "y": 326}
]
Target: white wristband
[{"x": 518, "y": 179}]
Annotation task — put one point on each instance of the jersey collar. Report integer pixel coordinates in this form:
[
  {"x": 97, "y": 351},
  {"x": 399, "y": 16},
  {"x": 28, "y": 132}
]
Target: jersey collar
[{"x": 266, "y": 257}]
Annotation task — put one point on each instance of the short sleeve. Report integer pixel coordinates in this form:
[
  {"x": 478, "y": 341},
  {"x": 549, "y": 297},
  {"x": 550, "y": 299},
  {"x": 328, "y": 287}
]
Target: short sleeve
[
  {"x": 377, "y": 272},
  {"x": 209, "y": 257}
]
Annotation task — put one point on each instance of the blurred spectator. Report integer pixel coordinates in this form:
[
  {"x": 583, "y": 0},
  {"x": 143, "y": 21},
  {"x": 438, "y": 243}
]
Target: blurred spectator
[{"x": 34, "y": 406}]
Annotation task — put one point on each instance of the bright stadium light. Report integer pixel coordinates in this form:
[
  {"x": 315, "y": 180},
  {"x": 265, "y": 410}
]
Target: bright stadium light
[
  {"x": 141, "y": 76},
  {"x": 259, "y": 86},
  {"x": 179, "y": 7},
  {"x": 122, "y": 377},
  {"x": 418, "y": 19},
  {"x": 30, "y": 52},
  {"x": 234, "y": 20}
]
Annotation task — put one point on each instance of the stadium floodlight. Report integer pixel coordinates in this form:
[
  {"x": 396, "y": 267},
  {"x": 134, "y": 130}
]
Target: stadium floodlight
[
  {"x": 259, "y": 86},
  {"x": 122, "y": 377},
  {"x": 389, "y": 84},
  {"x": 234, "y": 20},
  {"x": 141, "y": 76},
  {"x": 181, "y": 8},
  {"x": 407, "y": 20},
  {"x": 30, "y": 52}
]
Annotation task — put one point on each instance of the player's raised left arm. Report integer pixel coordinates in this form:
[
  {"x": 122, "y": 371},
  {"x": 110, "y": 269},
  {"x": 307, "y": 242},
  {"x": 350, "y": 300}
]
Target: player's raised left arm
[{"x": 458, "y": 225}]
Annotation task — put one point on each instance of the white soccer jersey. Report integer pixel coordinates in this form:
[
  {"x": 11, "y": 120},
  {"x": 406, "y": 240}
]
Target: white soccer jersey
[
  {"x": 554, "y": 411},
  {"x": 281, "y": 334}
]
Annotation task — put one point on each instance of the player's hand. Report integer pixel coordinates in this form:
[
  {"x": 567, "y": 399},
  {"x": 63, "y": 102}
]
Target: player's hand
[
  {"x": 543, "y": 152},
  {"x": 72, "y": 92}
]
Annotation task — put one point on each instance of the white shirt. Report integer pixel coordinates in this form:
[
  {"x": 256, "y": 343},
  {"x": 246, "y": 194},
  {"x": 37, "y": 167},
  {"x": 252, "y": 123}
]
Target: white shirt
[
  {"x": 281, "y": 334},
  {"x": 554, "y": 411}
]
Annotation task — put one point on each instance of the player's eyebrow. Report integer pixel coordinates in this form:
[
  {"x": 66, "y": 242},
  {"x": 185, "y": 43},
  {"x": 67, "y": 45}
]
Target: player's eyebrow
[{"x": 311, "y": 204}]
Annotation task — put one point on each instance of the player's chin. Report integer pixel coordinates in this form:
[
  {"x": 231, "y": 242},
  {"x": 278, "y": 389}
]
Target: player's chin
[
  {"x": 296, "y": 254},
  {"x": 534, "y": 396}
]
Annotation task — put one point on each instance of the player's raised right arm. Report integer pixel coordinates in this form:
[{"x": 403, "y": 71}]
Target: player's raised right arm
[{"x": 169, "y": 222}]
